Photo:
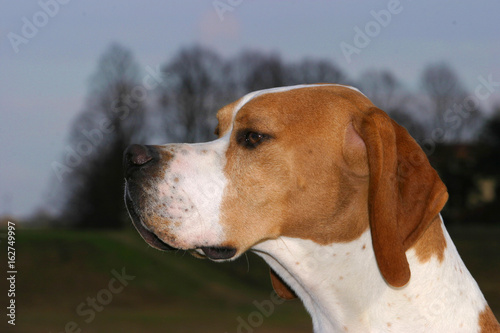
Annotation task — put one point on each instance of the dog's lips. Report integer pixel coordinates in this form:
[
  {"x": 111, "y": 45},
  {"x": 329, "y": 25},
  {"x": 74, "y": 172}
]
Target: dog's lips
[
  {"x": 219, "y": 252},
  {"x": 211, "y": 252},
  {"x": 147, "y": 235}
]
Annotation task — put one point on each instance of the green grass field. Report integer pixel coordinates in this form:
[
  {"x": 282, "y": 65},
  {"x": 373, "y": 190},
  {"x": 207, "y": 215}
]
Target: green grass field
[{"x": 67, "y": 282}]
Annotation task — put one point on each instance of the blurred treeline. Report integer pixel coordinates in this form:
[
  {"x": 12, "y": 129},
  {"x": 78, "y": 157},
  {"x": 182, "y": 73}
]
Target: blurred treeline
[{"x": 177, "y": 102}]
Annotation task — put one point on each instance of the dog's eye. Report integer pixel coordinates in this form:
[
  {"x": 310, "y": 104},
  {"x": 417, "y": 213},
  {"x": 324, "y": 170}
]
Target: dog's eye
[{"x": 251, "y": 139}]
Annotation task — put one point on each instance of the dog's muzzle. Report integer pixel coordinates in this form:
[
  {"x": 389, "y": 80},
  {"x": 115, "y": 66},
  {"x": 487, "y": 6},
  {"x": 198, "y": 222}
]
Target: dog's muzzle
[{"x": 140, "y": 164}]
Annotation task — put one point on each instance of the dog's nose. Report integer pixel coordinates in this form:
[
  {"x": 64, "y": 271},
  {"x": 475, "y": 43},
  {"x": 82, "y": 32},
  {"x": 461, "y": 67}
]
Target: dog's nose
[{"x": 135, "y": 157}]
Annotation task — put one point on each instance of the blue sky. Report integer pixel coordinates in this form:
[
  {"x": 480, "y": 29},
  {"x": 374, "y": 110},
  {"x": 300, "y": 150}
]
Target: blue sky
[{"x": 44, "y": 72}]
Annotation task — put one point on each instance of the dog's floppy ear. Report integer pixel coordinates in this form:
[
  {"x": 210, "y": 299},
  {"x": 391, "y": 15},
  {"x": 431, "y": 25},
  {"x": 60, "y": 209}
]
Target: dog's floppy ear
[{"x": 405, "y": 192}]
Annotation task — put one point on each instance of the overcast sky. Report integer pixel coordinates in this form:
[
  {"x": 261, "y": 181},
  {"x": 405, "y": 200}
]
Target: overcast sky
[{"x": 49, "y": 49}]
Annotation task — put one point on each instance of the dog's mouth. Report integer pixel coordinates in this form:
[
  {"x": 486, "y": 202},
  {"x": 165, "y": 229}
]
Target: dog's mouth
[
  {"x": 218, "y": 252},
  {"x": 147, "y": 235},
  {"x": 211, "y": 252}
]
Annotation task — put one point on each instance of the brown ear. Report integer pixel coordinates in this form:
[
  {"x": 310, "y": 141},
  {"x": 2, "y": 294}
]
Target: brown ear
[
  {"x": 405, "y": 193},
  {"x": 280, "y": 286}
]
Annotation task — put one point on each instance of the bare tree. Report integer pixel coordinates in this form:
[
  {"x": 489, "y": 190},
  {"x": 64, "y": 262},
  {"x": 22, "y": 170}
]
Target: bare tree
[
  {"x": 314, "y": 71},
  {"x": 453, "y": 115},
  {"x": 258, "y": 71},
  {"x": 384, "y": 89},
  {"x": 387, "y": 93},
  {"x": 192, "y": 94},
  {"x": 112, "y": 119},
  {"x": 491, "y": 128}
]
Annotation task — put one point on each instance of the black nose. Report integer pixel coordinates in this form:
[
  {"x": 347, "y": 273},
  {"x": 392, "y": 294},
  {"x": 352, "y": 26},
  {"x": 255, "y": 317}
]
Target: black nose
[{"x": 136, "y": 157}]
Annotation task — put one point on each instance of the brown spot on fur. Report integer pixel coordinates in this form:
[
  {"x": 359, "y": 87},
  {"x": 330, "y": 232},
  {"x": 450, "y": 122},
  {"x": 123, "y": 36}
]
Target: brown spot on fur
[
  {"x": 432, "y": 243},
  {"x": 487, "y": 321},
  {"x": 280, "y": 286}
]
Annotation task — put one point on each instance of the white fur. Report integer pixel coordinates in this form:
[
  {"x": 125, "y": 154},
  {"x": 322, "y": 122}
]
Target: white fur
[
  {"x": 192, "y": 192},
  {"x": 343, "y": 290}
]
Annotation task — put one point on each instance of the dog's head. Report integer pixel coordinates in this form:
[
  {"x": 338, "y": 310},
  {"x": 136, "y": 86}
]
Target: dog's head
[{"x": 317, "y": 162}]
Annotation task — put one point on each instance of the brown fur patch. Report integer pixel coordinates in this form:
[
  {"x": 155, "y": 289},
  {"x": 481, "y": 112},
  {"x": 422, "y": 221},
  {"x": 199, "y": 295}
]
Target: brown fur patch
[
  {"x": 432, "y": 243},
  {"x": 296, "y": 184},
  {"x": 280, "y": 286},
  {"x": 225, "y": 117},
  {"x": 487, "y": 321}
]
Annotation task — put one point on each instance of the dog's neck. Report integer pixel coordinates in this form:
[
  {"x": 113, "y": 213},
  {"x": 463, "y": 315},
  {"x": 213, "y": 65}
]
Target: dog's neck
[
  {"x": 333, "y": 281},
  {"x": 343, "y": 290}
]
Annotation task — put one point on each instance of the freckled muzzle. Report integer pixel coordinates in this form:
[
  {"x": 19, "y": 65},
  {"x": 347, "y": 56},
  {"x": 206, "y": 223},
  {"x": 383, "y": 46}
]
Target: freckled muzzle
[{"x": 172, "y": 198}]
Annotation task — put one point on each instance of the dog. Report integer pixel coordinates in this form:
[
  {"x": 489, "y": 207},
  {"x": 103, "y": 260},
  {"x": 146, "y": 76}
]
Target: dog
[{"x": 337, "y": 198}]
